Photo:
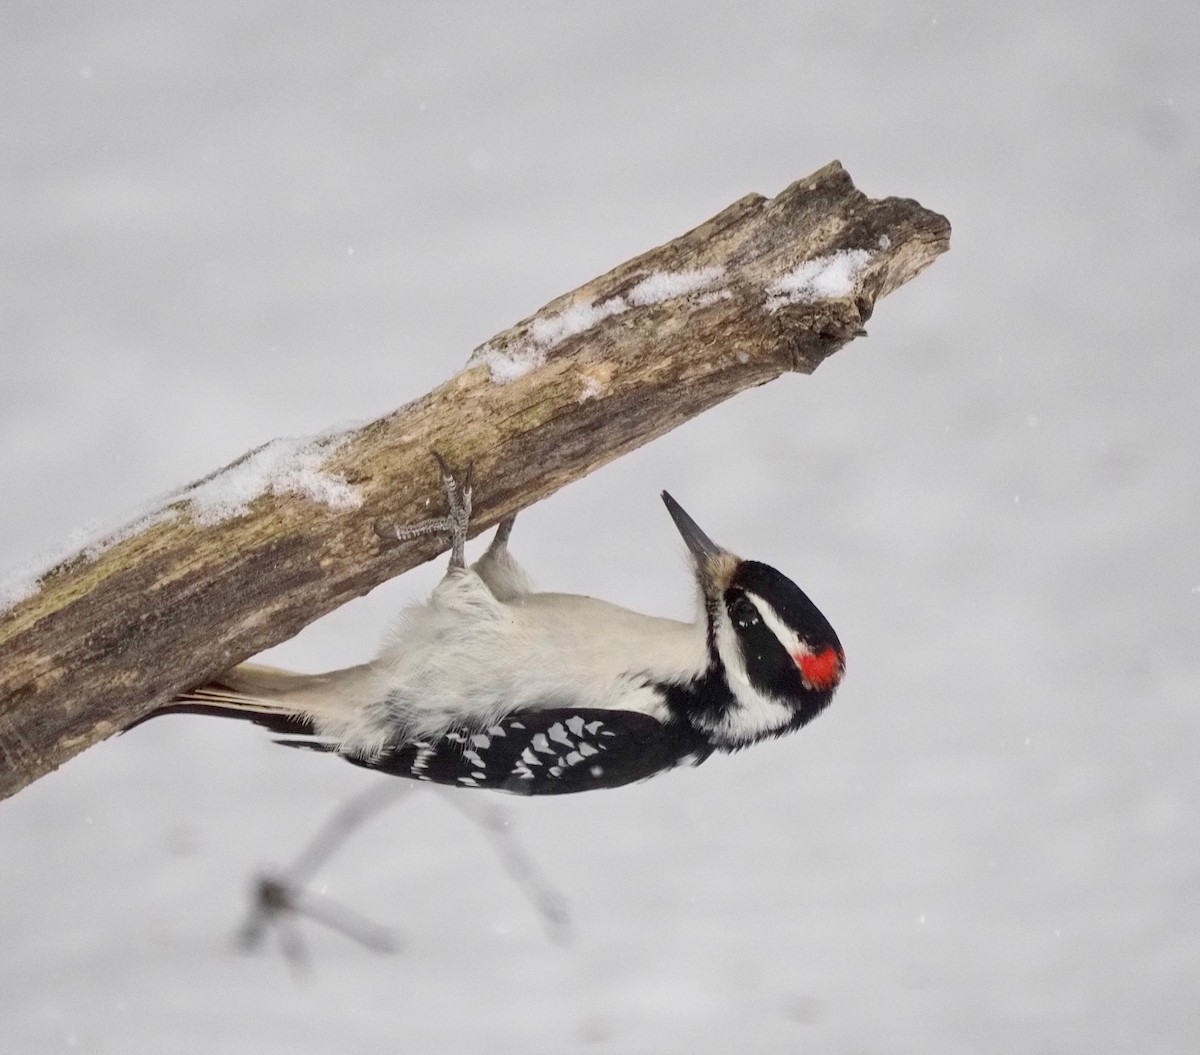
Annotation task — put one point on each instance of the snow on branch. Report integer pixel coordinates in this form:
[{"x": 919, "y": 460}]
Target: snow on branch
[
  {"x": 284, "y": 466},
  {"x": 120, "y": 621}
]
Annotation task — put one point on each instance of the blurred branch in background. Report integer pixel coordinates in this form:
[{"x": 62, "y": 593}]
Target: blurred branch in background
[
  {"x": 100, "y": 635},
  {"x": 280, "y": 899}
]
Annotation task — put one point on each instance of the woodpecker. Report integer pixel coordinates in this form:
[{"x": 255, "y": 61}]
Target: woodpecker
[{"x": 491, "y": 684}]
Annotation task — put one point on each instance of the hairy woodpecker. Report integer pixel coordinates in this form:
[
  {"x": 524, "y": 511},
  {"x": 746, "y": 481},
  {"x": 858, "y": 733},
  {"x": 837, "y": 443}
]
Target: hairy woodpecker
[{"x": 490, "y": 684}]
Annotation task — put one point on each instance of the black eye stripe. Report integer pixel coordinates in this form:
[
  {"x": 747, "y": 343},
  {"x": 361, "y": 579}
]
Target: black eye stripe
[{"x": 787, "y": 601}]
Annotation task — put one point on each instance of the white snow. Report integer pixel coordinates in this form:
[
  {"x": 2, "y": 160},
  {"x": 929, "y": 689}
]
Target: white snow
[
  {"x": 711, "y": 298},
  {"x": 591, "y": 389},
  {"x": 510, "y": 362},
  {"x": 552, "y": 330},
  {"x": 17, "y": 586},
  {"x": 22, "y": 582},
  {"x": 290, "y": 466},
  {"x": 666, "y": 285},
  {"x": 284, "y": 466},
  {"x": 823, "y": 278}
]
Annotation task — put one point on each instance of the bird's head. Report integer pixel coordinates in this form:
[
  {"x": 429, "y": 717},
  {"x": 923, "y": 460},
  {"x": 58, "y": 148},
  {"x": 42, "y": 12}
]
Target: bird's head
[{"x": 777, "y": 653}]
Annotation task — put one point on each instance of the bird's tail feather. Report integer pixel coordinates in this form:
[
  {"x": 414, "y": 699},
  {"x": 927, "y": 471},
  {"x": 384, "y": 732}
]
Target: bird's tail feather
[{"x": 279, "y": 700}]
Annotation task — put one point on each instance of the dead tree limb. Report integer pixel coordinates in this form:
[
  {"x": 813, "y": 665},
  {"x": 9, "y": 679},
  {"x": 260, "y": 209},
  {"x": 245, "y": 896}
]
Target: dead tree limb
[{"x": 247, "y": 557}]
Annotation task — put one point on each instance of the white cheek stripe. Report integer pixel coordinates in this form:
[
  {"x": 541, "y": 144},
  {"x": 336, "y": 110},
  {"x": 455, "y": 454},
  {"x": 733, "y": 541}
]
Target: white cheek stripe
[
  {"x": 754, "y": 715},
  {"x": 788, "y": 637}
]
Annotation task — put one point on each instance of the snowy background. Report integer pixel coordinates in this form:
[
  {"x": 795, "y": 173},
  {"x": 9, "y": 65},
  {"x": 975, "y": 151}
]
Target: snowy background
[{"x": 227, "y": 222}]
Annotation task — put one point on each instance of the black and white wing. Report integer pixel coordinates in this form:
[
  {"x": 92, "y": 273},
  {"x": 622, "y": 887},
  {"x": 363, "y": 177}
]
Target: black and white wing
[{"x": 547, "y": 752}]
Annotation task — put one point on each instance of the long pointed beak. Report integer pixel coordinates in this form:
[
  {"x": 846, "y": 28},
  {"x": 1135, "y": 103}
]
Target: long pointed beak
[{"x": 713, "y": 563}]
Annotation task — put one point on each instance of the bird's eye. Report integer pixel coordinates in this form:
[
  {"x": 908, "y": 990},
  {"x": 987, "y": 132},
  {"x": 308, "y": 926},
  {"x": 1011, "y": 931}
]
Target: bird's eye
[{"x": 743, "y": 612}]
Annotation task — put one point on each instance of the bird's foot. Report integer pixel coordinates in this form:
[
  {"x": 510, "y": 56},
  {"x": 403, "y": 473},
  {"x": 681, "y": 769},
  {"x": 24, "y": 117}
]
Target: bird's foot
[{"x": 454, "y": 524}]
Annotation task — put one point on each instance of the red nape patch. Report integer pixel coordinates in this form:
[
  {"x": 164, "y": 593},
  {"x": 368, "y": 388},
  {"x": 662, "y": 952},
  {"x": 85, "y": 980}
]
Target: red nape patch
[{"x": 823, "y": 670}]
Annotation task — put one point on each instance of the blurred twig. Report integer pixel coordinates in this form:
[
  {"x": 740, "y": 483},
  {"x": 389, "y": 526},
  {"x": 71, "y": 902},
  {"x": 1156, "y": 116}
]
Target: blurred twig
[
  {"x": 281, "y": 899},
  {"x": 493, "y": 820}
]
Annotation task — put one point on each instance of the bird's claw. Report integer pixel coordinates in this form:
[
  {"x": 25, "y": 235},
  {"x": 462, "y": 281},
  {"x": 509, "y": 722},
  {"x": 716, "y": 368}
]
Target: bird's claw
[{"x": 454, "y": 524}]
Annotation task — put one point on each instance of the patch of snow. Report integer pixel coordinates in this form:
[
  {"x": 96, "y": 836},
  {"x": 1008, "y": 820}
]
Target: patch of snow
[
  {"x": 283, "y": 466},
  {"x": 507, "y": 364},
  {"x": 19, "y": 585},
  {"x": 522, "y": 356},
  {"x": 552, "y": 330},
  {"x": 825, "y": 278},
  {"x": 25, "y": 580},
  {"x": 102, "y": 542},
  {"x": 291, "y": 466},
  {"x": 711, "y": 298},
  {"x": 591, "y": 389},
  {"x": 665, "y": 285}
]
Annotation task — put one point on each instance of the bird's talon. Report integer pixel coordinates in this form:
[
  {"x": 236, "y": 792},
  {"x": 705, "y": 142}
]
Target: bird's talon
[{"x": 454, "y": 524}]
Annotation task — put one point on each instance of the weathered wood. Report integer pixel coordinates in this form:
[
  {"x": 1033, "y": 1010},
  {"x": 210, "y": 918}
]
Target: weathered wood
[{"x": 166, "y": 604}]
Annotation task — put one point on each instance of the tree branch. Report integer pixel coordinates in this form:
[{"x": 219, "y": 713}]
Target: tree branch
[{"x": 248, "y": 556}]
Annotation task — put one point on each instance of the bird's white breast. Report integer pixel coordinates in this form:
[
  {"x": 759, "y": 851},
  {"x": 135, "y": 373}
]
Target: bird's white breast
[{"x": 466, "y": 657}]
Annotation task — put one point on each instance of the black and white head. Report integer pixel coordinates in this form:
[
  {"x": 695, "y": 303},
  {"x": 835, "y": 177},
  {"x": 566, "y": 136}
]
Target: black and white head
[{"x": 774, "y": 660}]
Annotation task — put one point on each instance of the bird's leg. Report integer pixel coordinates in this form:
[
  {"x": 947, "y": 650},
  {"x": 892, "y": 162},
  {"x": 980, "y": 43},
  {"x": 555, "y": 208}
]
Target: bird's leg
[
  {"x": 499, "y": 572},
  {"x": 454, "y": 523},
  {"x": 499, "y": 541}
]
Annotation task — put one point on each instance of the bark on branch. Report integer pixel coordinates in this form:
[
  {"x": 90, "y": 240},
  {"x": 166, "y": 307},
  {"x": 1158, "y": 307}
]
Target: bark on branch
[{"x": 247, "y": 557}]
